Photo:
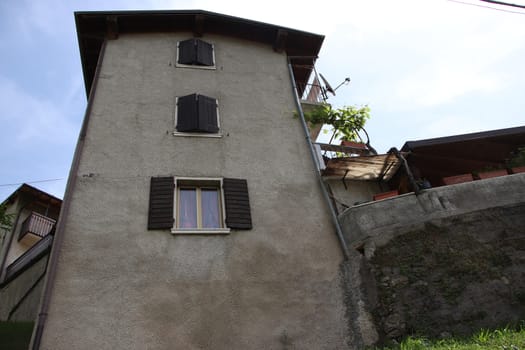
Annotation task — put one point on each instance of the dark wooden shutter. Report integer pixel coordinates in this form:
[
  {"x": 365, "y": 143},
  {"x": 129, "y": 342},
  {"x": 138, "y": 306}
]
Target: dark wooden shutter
[
  {"x": 187, "y": 113},
  {"x": 237, "y": 202},
  {"x": 204, "y": 53},
  {"x": 208, "y": 114},
  {"x": 187, "y": 52},
  {"x": 160, "y": 215}
]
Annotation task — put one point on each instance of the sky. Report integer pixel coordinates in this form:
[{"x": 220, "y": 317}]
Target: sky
[{"x": 426, "y": 68}]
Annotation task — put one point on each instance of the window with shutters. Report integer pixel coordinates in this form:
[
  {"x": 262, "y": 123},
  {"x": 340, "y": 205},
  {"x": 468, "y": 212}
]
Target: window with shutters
[
  {"x": 199, "y": 205},
  {"x": 195, "y": 53},
  {"x": 197, "y": 115}
]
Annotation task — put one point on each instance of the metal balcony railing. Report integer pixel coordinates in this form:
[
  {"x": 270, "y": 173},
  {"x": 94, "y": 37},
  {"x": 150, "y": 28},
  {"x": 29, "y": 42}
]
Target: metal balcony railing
[
  {"x": 36, "y": 224},
  {"x": 313, "y": 92}
]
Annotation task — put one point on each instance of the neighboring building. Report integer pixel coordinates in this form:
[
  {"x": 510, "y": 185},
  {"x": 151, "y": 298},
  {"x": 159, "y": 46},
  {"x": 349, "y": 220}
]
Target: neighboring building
[
  {"x": 193, "y": 216},
  {"x": 24, "y": 252},
  {"x": 440, "y": 228},
  {"x": 363, "y": 177}
]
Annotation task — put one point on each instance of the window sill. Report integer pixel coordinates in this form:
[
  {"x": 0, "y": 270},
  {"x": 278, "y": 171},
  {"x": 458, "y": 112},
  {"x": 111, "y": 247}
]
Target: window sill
[
  {"x": 197, "y": 134},
  {"x": 207, "y": 231},
  {"x": 195, "y": 66}
]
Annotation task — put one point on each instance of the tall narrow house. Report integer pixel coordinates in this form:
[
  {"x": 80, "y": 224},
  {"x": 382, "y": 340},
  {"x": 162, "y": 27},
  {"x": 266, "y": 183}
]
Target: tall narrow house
[{"x": 193, "y": 217}]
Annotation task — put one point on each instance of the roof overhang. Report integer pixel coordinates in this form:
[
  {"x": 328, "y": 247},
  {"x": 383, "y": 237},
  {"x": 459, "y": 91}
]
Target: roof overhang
[
  {"x": 471, "y": 142},
  {"x": 34, "y": 192},
  {"x": 453, "y": 155},
  {"x": 93, "y": 28},
  {"x": 372, "y": 167}
]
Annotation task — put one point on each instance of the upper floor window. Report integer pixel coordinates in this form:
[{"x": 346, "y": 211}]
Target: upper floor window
[
  {"x": 197, "y": 114},
  {"x": 195, "y": 53}
]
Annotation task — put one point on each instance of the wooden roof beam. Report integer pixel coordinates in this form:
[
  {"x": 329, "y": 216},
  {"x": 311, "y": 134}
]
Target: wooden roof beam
[
  {"x": 112, "y": 27},
  {"x": 198, "y": 28},
  {"x": 279, "y": 44}
]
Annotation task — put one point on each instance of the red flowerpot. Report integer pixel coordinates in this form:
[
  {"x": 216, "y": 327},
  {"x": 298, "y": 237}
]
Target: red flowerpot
[
  {"x": 353, "y": 144},
  {"x": 457, "y": 179},
  {"x": 384, "y": 195},
  {"x": 492, "y": 173},
  {"x": 518, "y": 169}
]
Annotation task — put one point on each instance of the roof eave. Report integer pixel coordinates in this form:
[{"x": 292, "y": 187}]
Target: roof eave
[{"x": 93, "y": 28}]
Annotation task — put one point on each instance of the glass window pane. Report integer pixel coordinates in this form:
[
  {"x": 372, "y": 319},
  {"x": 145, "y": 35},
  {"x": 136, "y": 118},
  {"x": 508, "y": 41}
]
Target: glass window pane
[
  {"x": 187, "y": 208},
  {"x": 210, "y": 208}
]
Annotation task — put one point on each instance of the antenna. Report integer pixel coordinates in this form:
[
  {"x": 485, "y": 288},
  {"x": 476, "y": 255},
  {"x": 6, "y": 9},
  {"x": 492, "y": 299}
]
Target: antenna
[
  {"x": 327, "y": 85},
  {"x": 345, "y": 82},
  {"x": 329, "y": 88}
]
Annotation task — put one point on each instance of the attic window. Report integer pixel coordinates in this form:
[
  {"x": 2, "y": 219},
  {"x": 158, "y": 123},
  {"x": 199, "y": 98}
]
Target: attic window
[
  {"x": 197, "y": 115},
  {"x": 195, "y": 53}
]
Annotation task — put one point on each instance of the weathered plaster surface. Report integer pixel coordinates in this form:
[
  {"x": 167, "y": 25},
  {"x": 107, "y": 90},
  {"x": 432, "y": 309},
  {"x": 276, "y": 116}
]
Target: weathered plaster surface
[
  {"x": 446, "y": 262},
  {"x": 16, "y": 290},
  {"x": 120, "y": 286},
  {"x": 379, "y": 221},
  {"x": 454, "y": 276}
]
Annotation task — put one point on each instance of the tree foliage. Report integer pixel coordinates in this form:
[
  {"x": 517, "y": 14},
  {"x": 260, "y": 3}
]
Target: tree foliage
[
  {"x": 346, "y": 121},
  {"x": 6, "y": 220}
]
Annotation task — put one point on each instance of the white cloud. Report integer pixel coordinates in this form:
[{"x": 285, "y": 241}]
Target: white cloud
[
  {"x": 451, "y": 124},
  {"x": 439, "y": 84},
  {"x": 32, "y": 120}
]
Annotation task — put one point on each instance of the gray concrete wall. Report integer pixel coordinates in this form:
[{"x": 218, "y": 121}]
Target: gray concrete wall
[
  {"x": 354, "y": 192},
  {"x": 6, "y": 235},
  {"x": 379, "y": 221},
  {"x": 120, "y": 286},
  {"x": 12, "y": 293},
  {"x": 453, "y": 276},
  {"x": 11, "y": 247},
  {"x": 17, "y": 248}
]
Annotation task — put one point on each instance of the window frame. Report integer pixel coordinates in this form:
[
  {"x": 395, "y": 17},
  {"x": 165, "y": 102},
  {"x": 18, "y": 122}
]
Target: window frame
[
  {"x": 199, "y": 183},
  {"x": 217, "y": 134},
  {"x": 196, "y": 66}
]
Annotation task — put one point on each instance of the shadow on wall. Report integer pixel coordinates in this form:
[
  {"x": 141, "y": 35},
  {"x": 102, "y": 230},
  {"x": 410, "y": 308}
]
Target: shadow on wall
[{"x": 15, "y": 335}]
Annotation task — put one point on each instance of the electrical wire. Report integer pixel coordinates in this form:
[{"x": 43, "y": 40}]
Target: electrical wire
[
  {"x": 487, "y": 7},
  {"x": 504, "y": 3},
  {"x": 30, "y": 182}
]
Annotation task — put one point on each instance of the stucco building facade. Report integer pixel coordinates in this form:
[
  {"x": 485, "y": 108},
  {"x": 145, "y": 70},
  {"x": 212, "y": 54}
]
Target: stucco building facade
[{"x": 182, "y": 236}]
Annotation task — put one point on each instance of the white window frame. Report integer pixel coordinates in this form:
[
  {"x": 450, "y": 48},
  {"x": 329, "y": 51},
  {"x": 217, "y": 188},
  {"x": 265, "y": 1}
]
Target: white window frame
[
  {"x": 195, "y": 66},
  {"x": 218, "y": 134},
  {"x": 199, "y": 182}
]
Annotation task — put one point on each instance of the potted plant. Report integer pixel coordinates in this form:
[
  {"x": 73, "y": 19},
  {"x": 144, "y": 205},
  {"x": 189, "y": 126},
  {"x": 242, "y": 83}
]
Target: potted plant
[
  {"x": 516, "y": 163},
  {"x": 314, "y": 123},
  {"x": 346, "y": 121}
]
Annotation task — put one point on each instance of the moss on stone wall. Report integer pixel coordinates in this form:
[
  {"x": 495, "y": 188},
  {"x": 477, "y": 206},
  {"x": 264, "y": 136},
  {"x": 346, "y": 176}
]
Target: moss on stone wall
[{"x": 453, "y": 276}]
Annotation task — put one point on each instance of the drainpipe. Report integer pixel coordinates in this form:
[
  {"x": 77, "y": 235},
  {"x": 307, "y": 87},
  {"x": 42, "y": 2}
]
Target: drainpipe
[
  {"x": 324, "y": 190},
  {"x": 64, "y": 211}
]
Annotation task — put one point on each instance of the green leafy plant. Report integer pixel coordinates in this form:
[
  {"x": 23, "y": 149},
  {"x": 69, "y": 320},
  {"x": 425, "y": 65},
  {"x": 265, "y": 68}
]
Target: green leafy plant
[
  {"x": 517, "y": 158},
  {"x": 507, "y": 338},
  {"x": 6, "y": 220},
  {"x": 346, "y": 121}
]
